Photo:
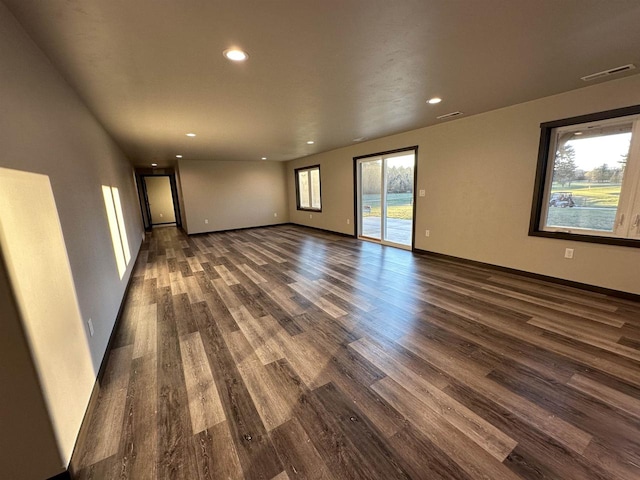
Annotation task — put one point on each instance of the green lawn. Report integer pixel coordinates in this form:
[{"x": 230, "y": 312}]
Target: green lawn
[
  {"x": 399, "y": 205},
  {"x": 404, "y": 212},
  {"x": 601, "y": 200},
  {"x": 593, "y": 218},
  {"x": 591, "y": 194}
]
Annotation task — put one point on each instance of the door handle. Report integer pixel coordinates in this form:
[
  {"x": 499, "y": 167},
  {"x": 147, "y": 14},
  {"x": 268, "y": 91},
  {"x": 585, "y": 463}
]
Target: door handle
[
  {"x": 636, "y": 222},
  {"x": 621, "y": 221}
]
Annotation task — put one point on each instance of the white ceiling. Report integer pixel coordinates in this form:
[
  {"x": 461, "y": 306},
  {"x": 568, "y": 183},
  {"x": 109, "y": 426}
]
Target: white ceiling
[{"x": 323, "y": 70}]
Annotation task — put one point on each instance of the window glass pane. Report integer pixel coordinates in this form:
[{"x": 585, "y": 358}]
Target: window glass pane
[
  {"x": 315, "y": 188},
  {"x": 371, "y": 191},
  {"x": 303, "y": 189},
  {"x": 588, "y": 170}
]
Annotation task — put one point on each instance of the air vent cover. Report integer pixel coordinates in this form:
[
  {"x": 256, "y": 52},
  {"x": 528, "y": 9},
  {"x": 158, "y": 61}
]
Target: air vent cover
[
  {"x": 606, "y": 73},
  {"x": 449, "y": 115}
]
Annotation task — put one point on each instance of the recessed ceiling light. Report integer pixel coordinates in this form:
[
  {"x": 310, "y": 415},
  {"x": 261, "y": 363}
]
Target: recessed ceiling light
[
  {"x": 178, "y": 156},
  {"x": 263, "y": 158},
  {"x": 154, "y": 164},
  {"x": 577, "y": 133},
  {"x": 434, "y": 100},
  {"x": 190, "y": 134},
  {"x": 235, "y": 54},
  {"x": 310, "y": 142}
]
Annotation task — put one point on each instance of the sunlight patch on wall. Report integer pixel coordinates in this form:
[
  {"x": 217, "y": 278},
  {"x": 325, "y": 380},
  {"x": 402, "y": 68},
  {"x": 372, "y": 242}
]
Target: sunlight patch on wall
[
  {"x": 117, "y": 228},
  {"x": 123, "y": 229},
  {"x": 35, "y": 253}
]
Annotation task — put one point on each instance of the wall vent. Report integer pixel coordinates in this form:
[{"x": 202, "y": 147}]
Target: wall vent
[
  {"x": 606, "y": 73},
  {"x": 449, "y": 115}
]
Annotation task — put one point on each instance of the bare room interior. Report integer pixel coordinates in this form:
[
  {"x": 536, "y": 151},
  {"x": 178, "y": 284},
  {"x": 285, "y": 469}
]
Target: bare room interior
[{"x": 354, "y": 239}]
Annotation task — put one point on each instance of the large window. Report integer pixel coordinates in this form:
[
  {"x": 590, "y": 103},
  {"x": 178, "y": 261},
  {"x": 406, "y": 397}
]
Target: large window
[
  {"x": 588, "y": 180},
  {"x": 308, "y": 188}
]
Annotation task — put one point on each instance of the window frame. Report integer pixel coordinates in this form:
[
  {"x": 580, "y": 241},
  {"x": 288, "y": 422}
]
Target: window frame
[
  {"x": 297, "y": 181},
  {"x": 543, "y": 176}
]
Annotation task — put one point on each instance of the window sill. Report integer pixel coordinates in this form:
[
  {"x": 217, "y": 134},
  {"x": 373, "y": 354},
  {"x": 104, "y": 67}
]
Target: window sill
[{"x": 577, "y": 237}]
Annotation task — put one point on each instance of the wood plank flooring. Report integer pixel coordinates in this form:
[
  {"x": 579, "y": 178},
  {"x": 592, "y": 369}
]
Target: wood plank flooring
[{"x": 286, "y": 353}]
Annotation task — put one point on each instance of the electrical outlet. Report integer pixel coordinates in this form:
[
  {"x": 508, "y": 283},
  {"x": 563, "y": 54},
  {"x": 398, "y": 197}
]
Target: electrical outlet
[
  {"x": 90, "y": 324},
  {"x": 160, "y": 215},
  {"x": 206, "y": 220},
  {"x": 568, "y": 253},
  {"x": 422, "y": 193},
  {"x": 275, "y": 214},
  {"x": 427, "y": 233},
  {"x": 310, "y": 215},
  {"x": 348, "y": 221}
]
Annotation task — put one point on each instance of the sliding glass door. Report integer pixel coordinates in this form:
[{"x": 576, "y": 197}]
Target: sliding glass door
[
  {"x": 371, "y": 199},
  {"x": 385, "y": 198}
]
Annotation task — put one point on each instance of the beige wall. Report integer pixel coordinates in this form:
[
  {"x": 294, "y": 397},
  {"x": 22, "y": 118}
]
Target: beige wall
[
  {"x": 46, "y": 129},
  {"x": 233, "y": 194},
  {"x": 160, "y": 199},
  {"x": 489, "y": 162}
]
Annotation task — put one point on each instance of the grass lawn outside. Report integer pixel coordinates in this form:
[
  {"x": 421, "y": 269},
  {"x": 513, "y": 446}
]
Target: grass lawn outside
[
  {"x": 403, "y": 212},
  {"x": 576, "y": 217},
  {"x": 399, "y": 205},
  {"x": 392, "y": 199},
  {"x": 595, "y": 206},
  {"x": 591, "y": 194}
]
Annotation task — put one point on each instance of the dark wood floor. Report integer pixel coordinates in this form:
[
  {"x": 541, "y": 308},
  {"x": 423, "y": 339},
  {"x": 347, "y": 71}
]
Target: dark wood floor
[{"x": 285, "y": 353}]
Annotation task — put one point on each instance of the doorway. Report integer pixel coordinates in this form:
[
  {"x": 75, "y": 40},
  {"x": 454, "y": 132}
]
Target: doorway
[
  {"x": 160, "y": 198},
  {"x": 385, "y": 197}
]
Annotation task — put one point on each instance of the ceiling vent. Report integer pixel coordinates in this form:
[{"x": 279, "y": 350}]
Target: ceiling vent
[
  {"x": 606, "y": 73},
  {"x": 449, "y": 115}
]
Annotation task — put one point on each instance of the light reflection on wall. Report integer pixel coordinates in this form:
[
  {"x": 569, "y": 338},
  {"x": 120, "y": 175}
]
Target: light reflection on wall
[
  {"x": 117, "y": 228},
  {"x": 35, "y": 253},
  {"x": 123, "y": 230}
]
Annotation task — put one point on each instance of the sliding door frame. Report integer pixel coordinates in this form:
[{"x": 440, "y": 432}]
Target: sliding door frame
[{"x": 356, "y": 190}]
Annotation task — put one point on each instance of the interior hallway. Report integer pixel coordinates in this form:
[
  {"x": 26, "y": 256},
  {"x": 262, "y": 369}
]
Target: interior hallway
[{"x": 283, "y": 352}]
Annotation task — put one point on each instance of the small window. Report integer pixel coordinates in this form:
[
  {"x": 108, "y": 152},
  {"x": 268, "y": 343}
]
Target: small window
[
  {"x": 588, "y": 180},
  {"x": 308, "y": 188}
]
